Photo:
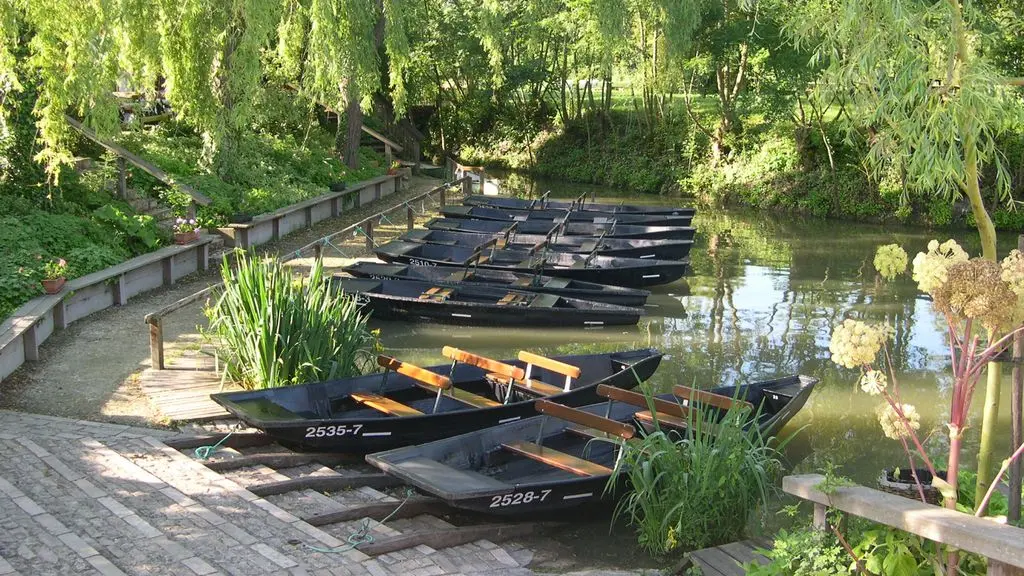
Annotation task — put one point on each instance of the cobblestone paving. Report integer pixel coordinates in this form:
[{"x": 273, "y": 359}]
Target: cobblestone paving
[{"x": 79, "y": 497}]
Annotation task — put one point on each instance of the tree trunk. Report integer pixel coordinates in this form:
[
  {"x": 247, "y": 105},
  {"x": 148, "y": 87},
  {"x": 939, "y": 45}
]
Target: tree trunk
[
  {"x": 223, "y": 146},
  {"x": 353, "y": 132}
]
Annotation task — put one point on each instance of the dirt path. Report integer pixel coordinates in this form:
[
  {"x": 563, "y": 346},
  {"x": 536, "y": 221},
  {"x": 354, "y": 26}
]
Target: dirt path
[{"x": 89, "y": 371}]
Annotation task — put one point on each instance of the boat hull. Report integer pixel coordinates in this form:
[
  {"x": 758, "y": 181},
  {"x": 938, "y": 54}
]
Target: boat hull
[
  {"x": 522, "y": 204},
  {"x": 572, "y": 229},
  {"x": 297, "y": 418},
  {"x": 621, "y": 247},
  {"x": 557, "y": 216}
]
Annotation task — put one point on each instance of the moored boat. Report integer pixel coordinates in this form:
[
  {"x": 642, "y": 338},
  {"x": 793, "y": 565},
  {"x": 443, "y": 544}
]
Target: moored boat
[
  {"x": 550, "y": 215},
  {"x": 581, "y": 204},
  {"x": 624, "y": 247},
  {"x": 564, "y": 459},
  {"x": 505, "y": 279},
  {"x": 545, "y": 227},
  {"x": 409, "y": 405},
  {"x": 630, "y": 272},
  {"x": 480, "y": 305}
]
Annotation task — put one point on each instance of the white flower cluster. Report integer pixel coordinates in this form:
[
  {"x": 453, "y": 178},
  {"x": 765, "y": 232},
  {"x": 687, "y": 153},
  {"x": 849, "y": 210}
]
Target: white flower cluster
[
  {"x": 895, "y": 427},
  {"x": 855, "y": 343},
  {"x": 890, "y": 261},
  {"x": 873, "y": 382},
  {"x": 930, "y": 267}
]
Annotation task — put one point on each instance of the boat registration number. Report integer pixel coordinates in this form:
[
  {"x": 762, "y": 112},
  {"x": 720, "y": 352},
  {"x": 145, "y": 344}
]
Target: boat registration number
[
  {"x": 329, "y": 431},
  {"x": 418, "y": 262},
  {"x": 519, "y": 498}
]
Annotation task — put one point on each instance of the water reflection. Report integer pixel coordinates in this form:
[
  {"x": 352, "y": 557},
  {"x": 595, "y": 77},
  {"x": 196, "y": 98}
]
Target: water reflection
[{"x": 761, "y": 301}]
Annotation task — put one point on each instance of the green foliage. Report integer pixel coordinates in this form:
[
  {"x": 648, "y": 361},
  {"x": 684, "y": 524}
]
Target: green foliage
[
  {"x": 275, "y": 328},
  {"x": 699, "y": 489},
  {"x": 136, "y": 231},
  {"x": 802, "y": 552}
]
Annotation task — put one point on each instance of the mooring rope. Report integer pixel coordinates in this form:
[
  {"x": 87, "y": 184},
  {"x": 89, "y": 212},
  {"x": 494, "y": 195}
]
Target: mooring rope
[{"x": 359, "y": 537}]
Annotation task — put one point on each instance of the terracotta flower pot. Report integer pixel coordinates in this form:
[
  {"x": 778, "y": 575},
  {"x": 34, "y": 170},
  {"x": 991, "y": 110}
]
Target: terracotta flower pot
[
  {"x": 186, "y": 237},
  {"x": 53, "y": 285}
]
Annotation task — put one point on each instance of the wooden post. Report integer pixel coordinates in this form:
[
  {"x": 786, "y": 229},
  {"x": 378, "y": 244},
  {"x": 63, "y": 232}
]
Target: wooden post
[
  {"x": 467, "y": 187},
  {"x": 441, "y": 196},
  {"x": 368, "y": 229},
  {"x": 122, "y": 178},
  {"x": 31, "y": 343},
  {"x": 820, "y": 516},
  {"x": 318, "y": 251},
  {"x": 416, "y": 157},
  {"x": 483, "y": 182},
  {"x": 1016, "y": 401},
  {"x": 999, "y": 569},
  {"x": 410, "y": 218},
  {"x": 156, "y": 343},
  {"x": 387, "y": 155}
]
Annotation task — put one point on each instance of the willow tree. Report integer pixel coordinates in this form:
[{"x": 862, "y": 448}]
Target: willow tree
[
  {"x": 337, "y": 51},
  {"x": 932, "y": 104}
]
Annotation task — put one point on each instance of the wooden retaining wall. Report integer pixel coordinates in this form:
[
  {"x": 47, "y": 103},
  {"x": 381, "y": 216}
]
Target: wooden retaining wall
[
  {"x": 30, "y": 325},
  {"x": 272, "y": 226}
]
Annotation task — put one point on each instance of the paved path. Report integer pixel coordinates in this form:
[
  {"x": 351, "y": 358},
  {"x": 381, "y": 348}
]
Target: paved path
[{"x": 79, "y": 497}]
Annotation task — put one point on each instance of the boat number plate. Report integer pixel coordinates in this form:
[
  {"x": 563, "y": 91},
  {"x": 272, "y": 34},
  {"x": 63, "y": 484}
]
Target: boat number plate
[
  {"x": 418, "y": 262},
  {"x": 519, "y": 498},
  {"x": 329, "y": 431}
]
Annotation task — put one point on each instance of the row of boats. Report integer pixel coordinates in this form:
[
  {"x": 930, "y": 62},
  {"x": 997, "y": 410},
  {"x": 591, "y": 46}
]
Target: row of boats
[
  {"x": 529, "y": 434},
  {"x": 513, "y": 262}
]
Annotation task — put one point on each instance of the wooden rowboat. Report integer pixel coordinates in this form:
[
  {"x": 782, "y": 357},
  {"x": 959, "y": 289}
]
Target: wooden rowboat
[
  {"x": 409, "y": 405},
  {"x": 580, "y": 204},
  {"x": 566, "y": 457},
  {"x": 545, "y": 227},
  {"x": 622, "y": 247},
  {"x": 558, "y": 216},
  {"x": 468, "y": 304},
  {"x": 502, "y": 279}
]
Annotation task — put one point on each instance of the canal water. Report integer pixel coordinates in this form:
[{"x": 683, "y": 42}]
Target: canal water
[{"x": 761, "y": 301}]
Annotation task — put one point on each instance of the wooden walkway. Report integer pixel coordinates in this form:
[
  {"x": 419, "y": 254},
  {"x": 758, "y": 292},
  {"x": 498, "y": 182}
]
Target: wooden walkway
[
  {"x": 728, "y": 559},
  {"x": 182, "y": 391}
]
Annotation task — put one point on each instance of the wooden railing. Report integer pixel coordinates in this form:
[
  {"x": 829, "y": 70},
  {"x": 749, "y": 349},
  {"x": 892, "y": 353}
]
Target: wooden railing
[
  {"x": 315, "y": 249},
  {"x": 1003, "y": 545},
  {"x": 125, "y": 156}
]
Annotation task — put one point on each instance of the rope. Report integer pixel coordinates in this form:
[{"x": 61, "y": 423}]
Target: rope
[
  {"x": 204, "y": 452},
  {"x": 340, "y": 251},
  {"x": 359, "y": 537}
]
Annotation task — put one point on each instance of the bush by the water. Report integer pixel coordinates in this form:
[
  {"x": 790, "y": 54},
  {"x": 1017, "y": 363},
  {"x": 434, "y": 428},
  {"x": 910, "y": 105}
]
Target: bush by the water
[
  {"x": 275, "y": 328},
  {"x": 697, "y": 488}
]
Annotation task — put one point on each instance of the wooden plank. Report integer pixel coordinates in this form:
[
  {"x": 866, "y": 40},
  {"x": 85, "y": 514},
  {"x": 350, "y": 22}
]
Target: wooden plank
[
  {"x": 415, "y": 372},
  {"x": 278, "y": 460},
  {"x": 387, "y": 141},
  {"x": 414, "y": 506},
  {"x": 448, "y": 538},
  {"x": 384, "y": 404},
  {"x": 538, "y": 387},
  {"x": 498, "y": 368},
  {"x": 709, "y": 398},
  {"x": 642, "y": 401},
  {"x": 715, "y": 561},
  {"x": 559, "y": 460},
  {"x": 237, "y": 440},
  {"x": 467, "y": 397},
  {"x": 743, "y": 552},
  {"x": 982, "y": 536},
  {"x": 624, "y": 431},
  {"x": 329, "y": 483},
  {"x": 138, "y": 162},
  {"x": 549, "y": 364}
]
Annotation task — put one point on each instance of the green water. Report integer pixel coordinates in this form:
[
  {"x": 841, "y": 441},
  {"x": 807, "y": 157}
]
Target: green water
[{"x": 763, "y": 295}]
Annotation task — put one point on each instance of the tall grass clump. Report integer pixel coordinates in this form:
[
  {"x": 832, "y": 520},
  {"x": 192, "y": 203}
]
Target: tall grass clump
[
  {"x": 274, "y": 328},
  {"x": 697, "y": 488}
]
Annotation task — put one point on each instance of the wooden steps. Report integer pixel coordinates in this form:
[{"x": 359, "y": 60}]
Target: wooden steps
[{"x": 728, "y": 559}]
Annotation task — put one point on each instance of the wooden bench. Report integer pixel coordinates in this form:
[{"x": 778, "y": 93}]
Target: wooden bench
[
  {"x": 435, "y": 383},
  {"x": 498, "y": 369},
  {"x": 567, "y": 370},
  {"x": 436, "y": 293},
  {"x": 385, "y": 405},
  {"x": 514, "y": 299},
  {"x": 691, "y": 395},
  {"x": 564, "y": 461}
]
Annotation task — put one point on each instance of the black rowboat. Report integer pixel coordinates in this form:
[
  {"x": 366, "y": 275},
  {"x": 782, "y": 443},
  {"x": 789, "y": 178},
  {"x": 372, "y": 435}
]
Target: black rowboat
[
  {"x": 480, "y": 305},
  {"x": 631, "y": 272},
  {"x": 580, "y": 204},
  {"x": 387, "y": 410},
  {"x": 545, "y": 227},
  {"x": 554, "y": 462},
  {"x": 558, "y": 216},
  {"x": 504, "y": 279},
  {"x": 624, "y": 247}
]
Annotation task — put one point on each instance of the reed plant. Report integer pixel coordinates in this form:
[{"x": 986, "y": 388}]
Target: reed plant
[
  {"x": 275, "y": 328},
  {"x": 695, "y": 488}
]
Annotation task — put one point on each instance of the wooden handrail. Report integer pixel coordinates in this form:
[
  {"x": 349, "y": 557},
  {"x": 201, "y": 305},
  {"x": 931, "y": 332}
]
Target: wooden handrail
[
  {"x": 138, "y": 162},
  {"x": 397, "y": 147},
  {"x": 1000, "y": 543},
  {"x": 624, "y": 431}
]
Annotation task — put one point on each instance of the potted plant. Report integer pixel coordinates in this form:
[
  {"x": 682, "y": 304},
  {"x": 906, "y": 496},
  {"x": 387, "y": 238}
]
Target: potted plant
[
  {"x": 395, "y": 167},
  {"x": 185, "y": 230},
  {"x": 54, "y": 275}
]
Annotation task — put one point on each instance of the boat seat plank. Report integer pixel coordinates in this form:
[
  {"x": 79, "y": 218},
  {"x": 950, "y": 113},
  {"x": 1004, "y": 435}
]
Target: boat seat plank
[
  {"x": 500, "y": 369},
  {"x": 709, "y": 398},
  {"x": 557, "y": 283},
  {"x": 433, "y": 473},
  {"x": 523, "y": 282},
  {"x": 534, "y": 386},
  {"x": 549, "y": 364},
  {"x": 424, "y": 378},
  {"x": 514, "y": 299},
  {"x": 669, "y": 421},
  {"x": 467, "y": 397},
  {"x": 436, "y": 293},
  {"x": 589, "y": 419},
  {"x": 587, "y": 432},
  {"x": 385, "y": 405},
  {"x": 559, "y": 460},
  {"x": 544, "y": 301}
]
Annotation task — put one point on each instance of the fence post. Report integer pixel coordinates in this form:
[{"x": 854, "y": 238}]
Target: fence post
[
  {"x": 441, "y": 197},
  {"x": 368, "y": 228},
  {"x": 483, "y": 182},
  {"x": 467, "y": 187},
  {"x": 387, "y": 155},
  {"x": 410, "y": 218},
  {"x": 820, "y": 516},
  {"x": 1016, "y": 399},
  {"x": 416, "y": 157},
  {"x": 122, "y": 178},
  {"x": 156, "y": 343},
  {"x": 318, "y": 251}
]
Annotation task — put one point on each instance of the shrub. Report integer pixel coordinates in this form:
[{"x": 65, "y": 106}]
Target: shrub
[
  {"x": 699, "y": 488},
  {"x": 274, "y": 329}
]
